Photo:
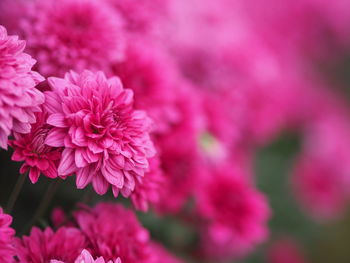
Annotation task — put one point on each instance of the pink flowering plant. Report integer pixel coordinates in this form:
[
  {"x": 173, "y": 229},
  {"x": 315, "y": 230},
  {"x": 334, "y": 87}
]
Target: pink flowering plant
[{"x": 169, "y": 131}]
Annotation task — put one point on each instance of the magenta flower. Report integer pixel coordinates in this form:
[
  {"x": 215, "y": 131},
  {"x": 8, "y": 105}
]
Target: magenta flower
[
  {"x": 19, "y": 99},
  {"x": 235, "y": 214},
  {"x": 106, "y": 141},
  {"x": 320, "y": 186},
  {"x": 7, "y": 250},
  {"x": 104, "y": 227},
  {"x": 37, "y": 156},
  {"x": 64, "y": 245},
  {"x": 72, "y": 34},
  {"x": 321, "y": 174}
]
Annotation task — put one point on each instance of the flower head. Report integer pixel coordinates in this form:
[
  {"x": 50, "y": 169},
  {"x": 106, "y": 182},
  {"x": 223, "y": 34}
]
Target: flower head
[
  {"x": 110, "y": 241},
  {"x": 105, "y": 140},
  {"x": 104, "y": 227},
  {"x": 19, "y": 99},
  {"x": 37, "y": 156},
  {"x": 234, "y": 213},
  {"x": 320, "y": 186},
  {"x": 72, "y": 34},
  {"x": 6, "y": 238},
  {"x": 42, "y": 246},
  {"x": 321, "y": 174}
]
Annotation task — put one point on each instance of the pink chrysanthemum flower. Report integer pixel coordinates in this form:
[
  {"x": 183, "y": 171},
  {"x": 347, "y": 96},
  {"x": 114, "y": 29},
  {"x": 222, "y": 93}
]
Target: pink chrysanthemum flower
[
  {"x": 104, "y": 227},
  {"x": 320, "y": 186},
  {"x": 85, "y": 257},
  {"x": 106, "y": 141},
  {"x": 109, "y": 239},
  {"x": 19, "y": 99},
  {"x": 6, "y": 238},
  {"x": 235, "y": 214},
  {"x": 64, "y": 245},
  {"x": 321, "y": 174},
  {"x": 37, "y": 156},
  {"x": 72, "y": 34}
]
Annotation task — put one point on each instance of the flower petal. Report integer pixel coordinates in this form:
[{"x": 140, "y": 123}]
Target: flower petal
[
  {"x": 55, "y": 138},
  {"x": 67, "y": 165},
  {"x": 57, "y": 120}
]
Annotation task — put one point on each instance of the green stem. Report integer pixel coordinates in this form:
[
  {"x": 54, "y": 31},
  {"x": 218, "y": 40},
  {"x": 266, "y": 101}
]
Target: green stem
[
  {"x": 45, "y": 202},
  {"x": 15, "y": 193}
]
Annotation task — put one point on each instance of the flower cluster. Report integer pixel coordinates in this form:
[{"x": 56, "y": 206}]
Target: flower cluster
[
  {"x": 167, "y": 103},
  {"x": 84, "y": 34},
  {"x": 103, "y": 234},
  {"x": 19, "y": 100}
]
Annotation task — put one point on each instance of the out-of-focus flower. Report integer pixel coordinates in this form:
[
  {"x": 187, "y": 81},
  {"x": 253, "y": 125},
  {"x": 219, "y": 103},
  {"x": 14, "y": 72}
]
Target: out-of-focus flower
[
  {"x": 106, "y": 141},
  {"x": 285, "y": 251},
  {"x": 181, "y": 170},
  {"x": 245, "y": 89},
  {"x": 64, "y": 245},
  {"x": 321, "y": 175},
  {"x": 180, "y": 162},
  {"x": 71, "y": 34},
  {"x": 37, "y": 156},
  {"x": 59, "y": 218},
  {"x": 141, "y": 17},
  {"x": 152, "y": 77},
  {"x": 19, "y": 99},
  {"x": 220, "y": 91},
  {"x": 104, "y": 227},
  {"x": 7, "y": 250},
  {"x": 320, "y": 186},
  {"x": 313, "y": 29},
  {"x": 234, "y": 214}
]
